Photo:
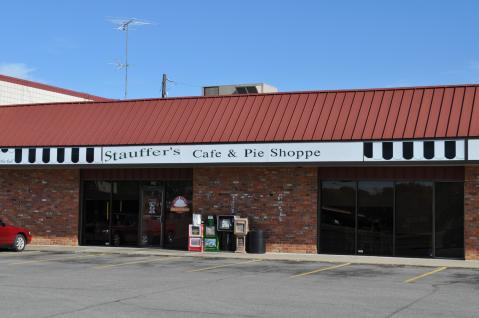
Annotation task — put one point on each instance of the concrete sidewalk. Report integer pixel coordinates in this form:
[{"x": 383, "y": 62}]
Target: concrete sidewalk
[{"x": 377, "y": 260}]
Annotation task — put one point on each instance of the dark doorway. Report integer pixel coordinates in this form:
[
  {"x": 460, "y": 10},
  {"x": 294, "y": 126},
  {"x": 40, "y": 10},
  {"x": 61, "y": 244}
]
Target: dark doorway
[
  {"x": 110, "y": 213},
  {"x": 124, "y": 213},
  {"x": 96, "y": 213}
]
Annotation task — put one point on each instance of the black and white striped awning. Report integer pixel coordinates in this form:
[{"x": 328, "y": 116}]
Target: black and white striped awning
[
  {"x": 357, "y": 152},
  {"x": 425, "y": 150}
]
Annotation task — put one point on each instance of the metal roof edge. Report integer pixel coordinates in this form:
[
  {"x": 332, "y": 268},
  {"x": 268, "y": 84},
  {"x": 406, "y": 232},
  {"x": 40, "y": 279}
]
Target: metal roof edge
[{"x": 108, "y": 101}]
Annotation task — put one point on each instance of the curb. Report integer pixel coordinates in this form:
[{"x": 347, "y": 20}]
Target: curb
[{"x": 293, "y": 257}]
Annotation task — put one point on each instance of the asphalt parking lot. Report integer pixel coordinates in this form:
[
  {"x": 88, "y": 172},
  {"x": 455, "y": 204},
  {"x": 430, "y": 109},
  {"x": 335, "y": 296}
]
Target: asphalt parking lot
[{"x": 53, "y": 284}]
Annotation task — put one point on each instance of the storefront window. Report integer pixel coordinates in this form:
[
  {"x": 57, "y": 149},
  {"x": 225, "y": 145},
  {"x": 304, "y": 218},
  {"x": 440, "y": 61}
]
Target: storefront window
[
  {"x": 406, "y": 218},
  {"x": 414, "y": 219},
  {"x": 338, "y": 219},
  {"x": 375, "y": 218},
  {"x": 449, "y": 203}
]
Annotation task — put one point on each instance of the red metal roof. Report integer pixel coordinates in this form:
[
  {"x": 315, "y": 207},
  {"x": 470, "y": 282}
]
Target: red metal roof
[
  {"x": 50, "y": 88},
  {"x": 370, "y": 114}
]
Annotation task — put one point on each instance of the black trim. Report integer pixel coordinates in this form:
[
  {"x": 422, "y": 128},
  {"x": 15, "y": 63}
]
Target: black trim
[
  {"x": 450, "y": 149},
  {"x": 60, "y": 155},
  {"x": 32, "y": 153},
  {"x": 46, "y": 155},
  {"x": 90, "y": 155},
  {"x": 387, "y": 150},
  {"x": 368, "y": 149},
  {"x": 18, "y": 155},
  {"x": 408, "y": 150},
  {"x": 428, "y": 147},
  {"x": 318, "y": 211},
  {"x": 75, "y": 155}
]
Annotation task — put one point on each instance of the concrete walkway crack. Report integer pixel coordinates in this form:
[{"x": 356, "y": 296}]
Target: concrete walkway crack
[{"x": 432, "y": 292}]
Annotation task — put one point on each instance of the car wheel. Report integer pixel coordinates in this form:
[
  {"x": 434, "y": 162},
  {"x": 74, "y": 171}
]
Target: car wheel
[{"x": 19, "y": 243}]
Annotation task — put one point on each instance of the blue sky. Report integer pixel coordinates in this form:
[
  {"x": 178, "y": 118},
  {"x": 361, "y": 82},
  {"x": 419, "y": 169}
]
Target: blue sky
[{"x": 293, "y": 45}]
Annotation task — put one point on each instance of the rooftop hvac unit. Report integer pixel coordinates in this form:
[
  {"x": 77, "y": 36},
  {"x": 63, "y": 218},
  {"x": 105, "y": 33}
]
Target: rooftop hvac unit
[{"x": 238, "y": 89}]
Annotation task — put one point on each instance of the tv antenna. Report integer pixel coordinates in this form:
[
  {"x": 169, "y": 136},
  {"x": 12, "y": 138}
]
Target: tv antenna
[{"x": 124, "y": 25}]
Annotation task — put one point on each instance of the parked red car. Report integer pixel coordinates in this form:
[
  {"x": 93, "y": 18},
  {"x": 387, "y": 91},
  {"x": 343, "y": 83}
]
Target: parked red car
[{"x": 14, "y": 237}]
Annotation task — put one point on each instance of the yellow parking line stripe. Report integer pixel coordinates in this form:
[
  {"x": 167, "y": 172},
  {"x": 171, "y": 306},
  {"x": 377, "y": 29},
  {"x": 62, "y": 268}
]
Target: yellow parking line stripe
[
  {"x": 225, "y": 265},
  {"x": 437, "y": 270},
  {"x": 321, "y": 270},
  {"x": 49, "y": 259},
  {"x": 150, "y": 260}
]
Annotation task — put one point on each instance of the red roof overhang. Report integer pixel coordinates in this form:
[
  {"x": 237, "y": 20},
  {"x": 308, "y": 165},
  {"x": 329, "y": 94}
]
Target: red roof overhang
[{"x": 343, "y": 115}]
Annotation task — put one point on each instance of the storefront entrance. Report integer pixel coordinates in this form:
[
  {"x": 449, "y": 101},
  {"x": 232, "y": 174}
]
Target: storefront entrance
[
  {"x": 386, "y": 218},
  {"x": 135, "y": 213}
]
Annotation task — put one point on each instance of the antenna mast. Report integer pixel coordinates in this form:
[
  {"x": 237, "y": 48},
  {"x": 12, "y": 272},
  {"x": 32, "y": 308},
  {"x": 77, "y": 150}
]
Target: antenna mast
[
  {"x": 164, "y": 94},
  {"x": 124, "y": 25}
]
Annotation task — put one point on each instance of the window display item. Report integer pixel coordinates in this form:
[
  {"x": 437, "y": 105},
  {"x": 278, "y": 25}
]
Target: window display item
[{"x": 179, "y": 205}]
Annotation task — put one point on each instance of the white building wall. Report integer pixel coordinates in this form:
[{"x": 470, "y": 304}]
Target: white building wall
[{"x": 11, "y": 93}]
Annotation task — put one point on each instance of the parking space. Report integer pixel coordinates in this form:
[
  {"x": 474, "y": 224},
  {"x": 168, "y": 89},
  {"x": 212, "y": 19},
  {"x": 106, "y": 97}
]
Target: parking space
[{"x": 50, "y": 284}]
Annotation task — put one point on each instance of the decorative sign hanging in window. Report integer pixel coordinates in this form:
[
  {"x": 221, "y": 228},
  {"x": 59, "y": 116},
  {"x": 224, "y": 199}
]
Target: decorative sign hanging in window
[{"x": 179, "y": 205}]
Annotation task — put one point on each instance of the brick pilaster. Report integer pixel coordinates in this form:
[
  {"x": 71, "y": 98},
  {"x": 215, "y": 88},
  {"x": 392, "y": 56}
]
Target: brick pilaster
[{"x": 471, "y": 213}]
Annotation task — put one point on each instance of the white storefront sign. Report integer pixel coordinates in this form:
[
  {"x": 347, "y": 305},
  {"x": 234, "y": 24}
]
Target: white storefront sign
[
  {"x": 473, "y": 149},
  {"x": 255, "y": 153},
  {"x": 235, "y": 153}
]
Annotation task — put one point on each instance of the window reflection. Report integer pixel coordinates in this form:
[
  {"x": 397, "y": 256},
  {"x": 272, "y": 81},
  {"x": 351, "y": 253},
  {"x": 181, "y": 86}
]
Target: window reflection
[
  {"x": 414, "y": 218},
  {"x": 375, "y": 218},
  {"x": 407, "y": 218},
  {"x": 338, "y": 217},
  {"x": 449, "y": 205}
]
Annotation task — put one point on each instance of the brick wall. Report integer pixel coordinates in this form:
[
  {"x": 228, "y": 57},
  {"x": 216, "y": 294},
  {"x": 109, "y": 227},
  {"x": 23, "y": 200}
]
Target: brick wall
[
  {"x": 471, "y": 213},
  {"x": 44, "y": 201},
  {"x": 281, "y": 201}
]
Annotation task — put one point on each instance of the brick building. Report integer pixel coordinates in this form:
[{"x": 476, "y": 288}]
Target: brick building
[{"x": 390, "y": 172}]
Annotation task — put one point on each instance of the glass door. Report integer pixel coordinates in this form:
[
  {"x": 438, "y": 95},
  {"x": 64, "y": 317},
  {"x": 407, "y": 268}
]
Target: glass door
[
  {"x": 96, "y": 213},
  {"x": 152, "y": 215},
  {"x": 125, "y": 206},
  {"x": 110, "y": 213}
]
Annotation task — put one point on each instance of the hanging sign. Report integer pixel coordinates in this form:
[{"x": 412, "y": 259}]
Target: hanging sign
[{"x": 179, "y": 205}]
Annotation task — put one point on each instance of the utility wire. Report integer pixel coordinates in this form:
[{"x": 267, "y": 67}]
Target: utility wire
[{"x": 183, "y": 83}]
